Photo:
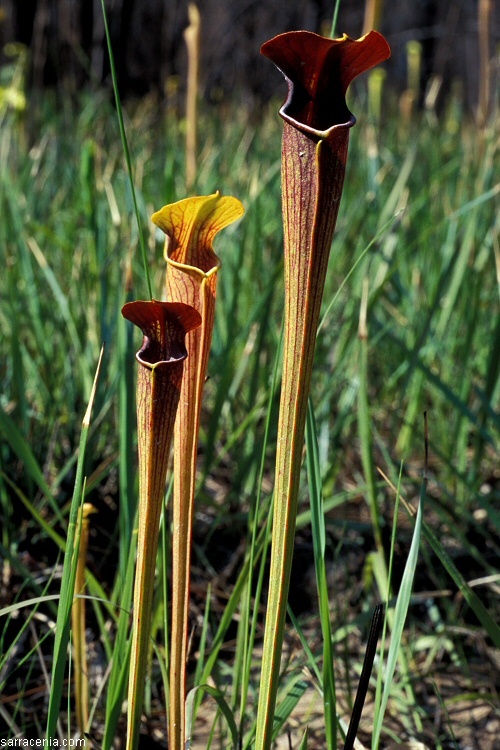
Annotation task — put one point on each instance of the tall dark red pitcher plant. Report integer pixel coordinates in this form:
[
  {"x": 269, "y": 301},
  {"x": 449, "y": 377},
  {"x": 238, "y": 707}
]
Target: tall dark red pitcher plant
[{"x": 314, "y": 153}]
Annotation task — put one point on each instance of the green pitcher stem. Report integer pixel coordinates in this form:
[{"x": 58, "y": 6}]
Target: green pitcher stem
[
  {"x": 155, "y": 428},
  {"x": 312, "y": 178},
  {"x": 186, "y": 433}
]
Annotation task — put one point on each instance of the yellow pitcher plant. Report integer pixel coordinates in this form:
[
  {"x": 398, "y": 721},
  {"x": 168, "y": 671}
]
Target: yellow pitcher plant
[{"x": 192, "y": 267}]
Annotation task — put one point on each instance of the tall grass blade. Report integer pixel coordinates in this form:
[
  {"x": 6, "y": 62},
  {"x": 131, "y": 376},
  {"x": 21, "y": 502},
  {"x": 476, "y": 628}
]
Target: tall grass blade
[
  {"x": 126, "y": 152},
  {"x": 294, "y": 690},
  {"x": 401, "y": 610},
  {"x": 69, "y": 575},
  {"x": 63, "y": 304},
  {"x": 365, "y": 427},
  {"x": 472, "y": 599},
  {"x": 470, "y": 596},
  {"x": 24, "y": 452},
  {"x": 256, "y": 514},
  {"x": 126, "y": 432},
  {"x": 79, "y": 622},
  {"x": 319, "y": 546},
  {"x": 121, "y": 651}
]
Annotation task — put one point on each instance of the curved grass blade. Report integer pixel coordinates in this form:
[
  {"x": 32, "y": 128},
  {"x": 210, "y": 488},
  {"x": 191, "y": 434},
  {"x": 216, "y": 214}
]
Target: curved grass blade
[
  {"x": 225, "y": 710},
  {"x": 472, "y": 599},
  {"x": 401, "y": 610}
]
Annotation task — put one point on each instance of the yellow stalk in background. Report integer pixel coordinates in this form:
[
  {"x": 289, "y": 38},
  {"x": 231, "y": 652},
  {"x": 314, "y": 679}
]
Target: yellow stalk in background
[
  {"x": 373, "y": 15},
  {"x": 78, "y": 623},
  {"x": 161, "y": 362},
  {"x": 485, "y": 10},
  {"x": 192, "y": 266},
  {"x": 409, "y": 98},
  {"x": 192, "y": 38}
]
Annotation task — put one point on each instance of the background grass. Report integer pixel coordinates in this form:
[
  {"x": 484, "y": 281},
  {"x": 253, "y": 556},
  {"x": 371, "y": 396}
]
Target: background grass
[{"x": 418, "y": 220}]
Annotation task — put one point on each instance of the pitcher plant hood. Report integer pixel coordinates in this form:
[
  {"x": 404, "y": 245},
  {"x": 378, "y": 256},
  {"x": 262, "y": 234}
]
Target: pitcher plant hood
[
  {"x": 191, "y": 225},
  {"x": 164, "y": 326},
  {"x": 318, "y": 72}
]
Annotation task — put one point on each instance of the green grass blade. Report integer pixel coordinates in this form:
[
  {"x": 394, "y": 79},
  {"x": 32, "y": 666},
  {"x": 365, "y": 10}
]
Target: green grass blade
[
  {"x": 231, "y": 606},
  {"x": 126, "y": 389},
  {"x": 378, "y": 692},
  {"x": 401, "y": 610},
  {"x": 224, "y": 708},
  {"x": 380, "y": 233},
  {"x": 319, "y": 545},
  {"x": 365, "y": 427},
  {"x": 311, "y": 659},
  {"x": 63, "y": 304},
  {"x": 121, "y": 653},
  {"x": 470, "y": 596},
  {"x": 94, "y": 585},
  {"x": 250, "y": 640},
  {"x": 28, "y": 603},
  {"x": 294, "y": 690},
  {"x": 68, "y": 579},
  {"x": 126, "y": 152},
  {"x": 333, "y": 31},
  {"x": 43, "y": 524},
  {"x": 23, "y": 451}
]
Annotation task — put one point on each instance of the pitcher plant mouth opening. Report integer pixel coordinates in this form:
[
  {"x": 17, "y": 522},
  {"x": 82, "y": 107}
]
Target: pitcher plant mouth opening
[
  {"x": 190, "y": 226},
  {"x": 318, "y": 72},
  {"x": 163, "y": 341}
]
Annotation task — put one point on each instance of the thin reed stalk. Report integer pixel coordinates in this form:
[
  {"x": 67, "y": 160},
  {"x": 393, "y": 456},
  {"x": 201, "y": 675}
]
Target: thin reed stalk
[
  {"x": 192, "y": 36},
  {"x": 78, "y": 620}
]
